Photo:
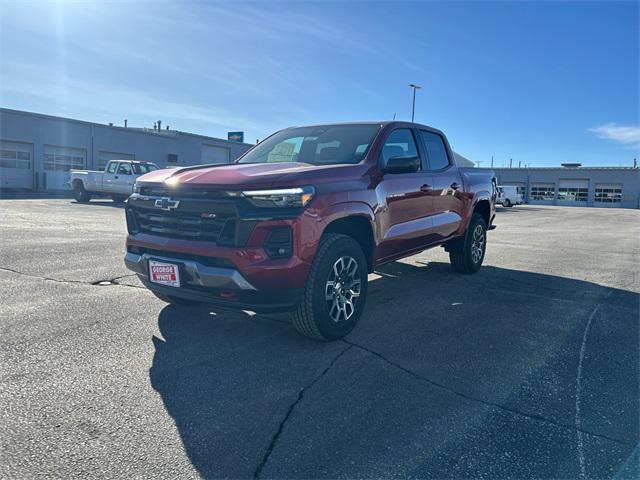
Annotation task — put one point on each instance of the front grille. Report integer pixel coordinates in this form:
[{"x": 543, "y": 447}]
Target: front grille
[
  {"x": 192, "y": 226},
  {"x": 193, "y": 219}
]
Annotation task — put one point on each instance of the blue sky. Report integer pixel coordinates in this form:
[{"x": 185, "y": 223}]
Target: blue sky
[{"x": 539, "y": 82}]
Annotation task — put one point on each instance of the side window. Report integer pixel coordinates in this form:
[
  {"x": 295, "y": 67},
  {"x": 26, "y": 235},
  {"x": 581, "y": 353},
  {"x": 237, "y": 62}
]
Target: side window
[
  {"x": 112, "y": 167},
  {"x": 124, "y": 168},
  {"x": 400, "y": 143},
  {"x": 436, "y": 152}
]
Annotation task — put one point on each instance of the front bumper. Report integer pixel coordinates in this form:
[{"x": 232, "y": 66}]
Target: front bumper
[
  {"x": 197, "y": 275},
  {"x": 223, "y": 287}
]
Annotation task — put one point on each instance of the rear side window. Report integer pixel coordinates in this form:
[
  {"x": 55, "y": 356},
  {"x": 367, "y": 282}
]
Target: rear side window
[
  {"x": 436, "y": 152},
  {"x": 400, "y": 143}
]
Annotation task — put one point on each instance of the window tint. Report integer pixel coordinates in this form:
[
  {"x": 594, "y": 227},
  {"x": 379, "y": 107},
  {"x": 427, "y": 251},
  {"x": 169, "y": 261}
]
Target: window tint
[
  {"x": 323, "y": 145},
  {"x": 436, "y": 153},
  {"x": 399, "y": 144},
  {"x": 112, "y": 167},
  {"x": 139, "y": 168},
  {"x": 124, "y": 169}
]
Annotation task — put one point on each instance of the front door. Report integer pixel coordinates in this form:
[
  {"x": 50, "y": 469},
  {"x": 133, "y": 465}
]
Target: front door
[
  {"x": 108, "y": 178},
  {"x": 447, "y": 192},
  {"x": 124, "y": 179},
  {"x": 405, "y": 221}
]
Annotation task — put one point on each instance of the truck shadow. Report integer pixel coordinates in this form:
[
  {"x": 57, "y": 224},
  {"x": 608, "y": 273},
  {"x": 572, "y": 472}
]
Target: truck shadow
[
  {"x": 228, "y": 379},
  {"x": 101, "y": 203}
]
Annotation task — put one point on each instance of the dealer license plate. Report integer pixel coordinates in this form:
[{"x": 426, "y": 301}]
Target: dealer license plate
[{"x": 164, "y": 273}]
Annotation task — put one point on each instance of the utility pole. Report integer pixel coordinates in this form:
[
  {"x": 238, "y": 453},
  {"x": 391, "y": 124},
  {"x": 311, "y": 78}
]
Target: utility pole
[
  {"x": 510, "y": 162},
  {"x": 413, "y": 108},
  {"x": 491, "y": 161},
  {"x": 519, "y": 163}
]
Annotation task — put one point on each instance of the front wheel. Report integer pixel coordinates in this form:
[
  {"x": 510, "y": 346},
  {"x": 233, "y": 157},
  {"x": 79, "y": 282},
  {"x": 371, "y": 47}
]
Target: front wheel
[
  {"x": 335, "y": 291},
  {"x": 80, "y": 194},
  {"x": 506, "y": 203},
  {"x": 471, "y": 254}
]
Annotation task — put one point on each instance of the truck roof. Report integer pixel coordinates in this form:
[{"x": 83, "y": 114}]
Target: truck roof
[{"x": 382, "y": 123}]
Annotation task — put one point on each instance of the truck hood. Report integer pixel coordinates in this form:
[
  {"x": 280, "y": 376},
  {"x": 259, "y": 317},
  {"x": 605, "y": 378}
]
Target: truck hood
[{"x": 249, "y": 175}]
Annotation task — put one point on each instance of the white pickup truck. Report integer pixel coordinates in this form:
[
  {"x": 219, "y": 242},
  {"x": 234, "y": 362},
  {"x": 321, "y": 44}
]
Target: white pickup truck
[{"x": 116, "y": 181}]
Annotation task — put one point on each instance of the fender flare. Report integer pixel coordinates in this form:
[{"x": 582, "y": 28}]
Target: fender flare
[{"x": 349, "y": 209}]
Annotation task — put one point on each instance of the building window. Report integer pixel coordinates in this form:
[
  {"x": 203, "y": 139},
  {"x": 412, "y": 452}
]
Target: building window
[
  {"x": 15, "y": 155},
  {"x": 63, "y": 158},
  {"x": 573, "y": 194},
  {"x": 543, "y": 191},
  {"x": 608, "y": 193}
]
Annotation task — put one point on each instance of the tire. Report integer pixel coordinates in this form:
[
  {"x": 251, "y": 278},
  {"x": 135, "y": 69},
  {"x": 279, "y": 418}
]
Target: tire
[
  {"x": 175, "y": 300},
  {"x": 469, "y": 259},
  {"x": 506, "y": 203},
  {"x": 79, "y": 193},
  {"x": 339, "y": 259}
]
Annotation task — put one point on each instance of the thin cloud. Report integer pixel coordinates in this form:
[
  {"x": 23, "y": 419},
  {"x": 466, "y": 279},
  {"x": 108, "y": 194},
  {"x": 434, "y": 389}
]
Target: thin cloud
[{"x": 625, "y": 134}]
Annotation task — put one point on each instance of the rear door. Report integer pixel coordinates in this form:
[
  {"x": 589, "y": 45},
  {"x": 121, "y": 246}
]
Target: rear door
[
  {"x": 406, "y": 220},
  {"x": 446, "y": 190}
]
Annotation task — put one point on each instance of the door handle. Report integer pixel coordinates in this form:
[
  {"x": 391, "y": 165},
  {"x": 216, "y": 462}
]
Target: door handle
[
  {"x": 425, "y": 188},
  {"x": 455, "y": 186},
  {"x": 115, "y": 176}
]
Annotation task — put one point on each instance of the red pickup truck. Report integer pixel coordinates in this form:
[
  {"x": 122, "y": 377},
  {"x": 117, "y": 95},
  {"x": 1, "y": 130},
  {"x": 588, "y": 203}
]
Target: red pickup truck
[{"x": 300, "y": 220}]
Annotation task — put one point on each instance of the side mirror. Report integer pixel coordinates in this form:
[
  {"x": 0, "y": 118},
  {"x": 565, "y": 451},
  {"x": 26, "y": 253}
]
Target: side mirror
[{"x": 403, "y": 164}]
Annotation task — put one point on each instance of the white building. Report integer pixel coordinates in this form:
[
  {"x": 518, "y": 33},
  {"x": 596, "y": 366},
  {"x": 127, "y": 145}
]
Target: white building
[{"x": 37, "y": 151}]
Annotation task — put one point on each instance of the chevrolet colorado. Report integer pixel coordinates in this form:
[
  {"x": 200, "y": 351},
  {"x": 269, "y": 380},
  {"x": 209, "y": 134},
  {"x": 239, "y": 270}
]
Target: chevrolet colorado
[{"x": 300, "y": 220}]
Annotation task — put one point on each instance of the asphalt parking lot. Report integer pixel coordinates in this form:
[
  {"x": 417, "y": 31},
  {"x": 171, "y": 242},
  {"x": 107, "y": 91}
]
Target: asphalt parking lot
[{"x": 528, "y": 369}]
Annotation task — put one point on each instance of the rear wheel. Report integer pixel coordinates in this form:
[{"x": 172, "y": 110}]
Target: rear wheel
[
  {"x": 470, "y": 256},
  {"x": 336, "y": 290},
  {"x": 79, "y": 193},
  {"x": 175, "y": 300}
]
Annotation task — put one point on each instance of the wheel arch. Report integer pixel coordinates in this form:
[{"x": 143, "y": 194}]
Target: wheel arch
[{"x": 357, "y": 226}]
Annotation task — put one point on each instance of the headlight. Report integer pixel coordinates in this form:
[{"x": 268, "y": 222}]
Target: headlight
[
  {"x": 284, "y": 197},
  {"x": 136, "y": 187}
]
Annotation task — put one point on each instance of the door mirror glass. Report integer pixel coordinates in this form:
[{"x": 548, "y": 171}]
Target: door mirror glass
[{"x": 403, "y": 164}]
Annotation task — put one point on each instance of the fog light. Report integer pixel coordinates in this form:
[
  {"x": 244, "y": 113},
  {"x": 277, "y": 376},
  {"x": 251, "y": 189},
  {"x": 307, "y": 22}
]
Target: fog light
[{"x": 279, "y": 243}]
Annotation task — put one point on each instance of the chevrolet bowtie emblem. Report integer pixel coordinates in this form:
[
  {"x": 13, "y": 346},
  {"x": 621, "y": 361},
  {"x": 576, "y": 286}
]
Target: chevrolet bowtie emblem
[{"x": 166, "y": 203}]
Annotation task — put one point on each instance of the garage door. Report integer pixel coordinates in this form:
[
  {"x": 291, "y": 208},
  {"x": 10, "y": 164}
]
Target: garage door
[
  {"x": 573, "y": 191},
  {"x": 16, "y": 165},
  {"x": 58, "y": 161},
  {"x": 608, "y": 195},
  {"x": 104, "y": 157},
  {"x": 213, "y": 154}
]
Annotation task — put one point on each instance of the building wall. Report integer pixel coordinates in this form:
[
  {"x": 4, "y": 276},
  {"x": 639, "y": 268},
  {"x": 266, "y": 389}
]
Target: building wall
[
  {"x": 627, "y": 178},
  {"x": 43, "y": 134}
]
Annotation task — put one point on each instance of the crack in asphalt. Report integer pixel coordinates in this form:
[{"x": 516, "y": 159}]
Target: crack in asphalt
[
  {"x": 276, "y": 436},
  {"x": 112, "y": 281},
  {"x": 531, "y": 416}
]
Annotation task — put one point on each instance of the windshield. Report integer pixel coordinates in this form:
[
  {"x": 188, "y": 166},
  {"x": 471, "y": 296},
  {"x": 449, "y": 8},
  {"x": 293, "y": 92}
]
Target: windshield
[
  {"x": 140, "y": 168},
  {"x": 325, "y": 145}
]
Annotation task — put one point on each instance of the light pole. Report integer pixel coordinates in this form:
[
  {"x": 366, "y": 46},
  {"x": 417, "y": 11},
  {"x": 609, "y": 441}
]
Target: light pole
[{"x": 413, "y": 109}]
